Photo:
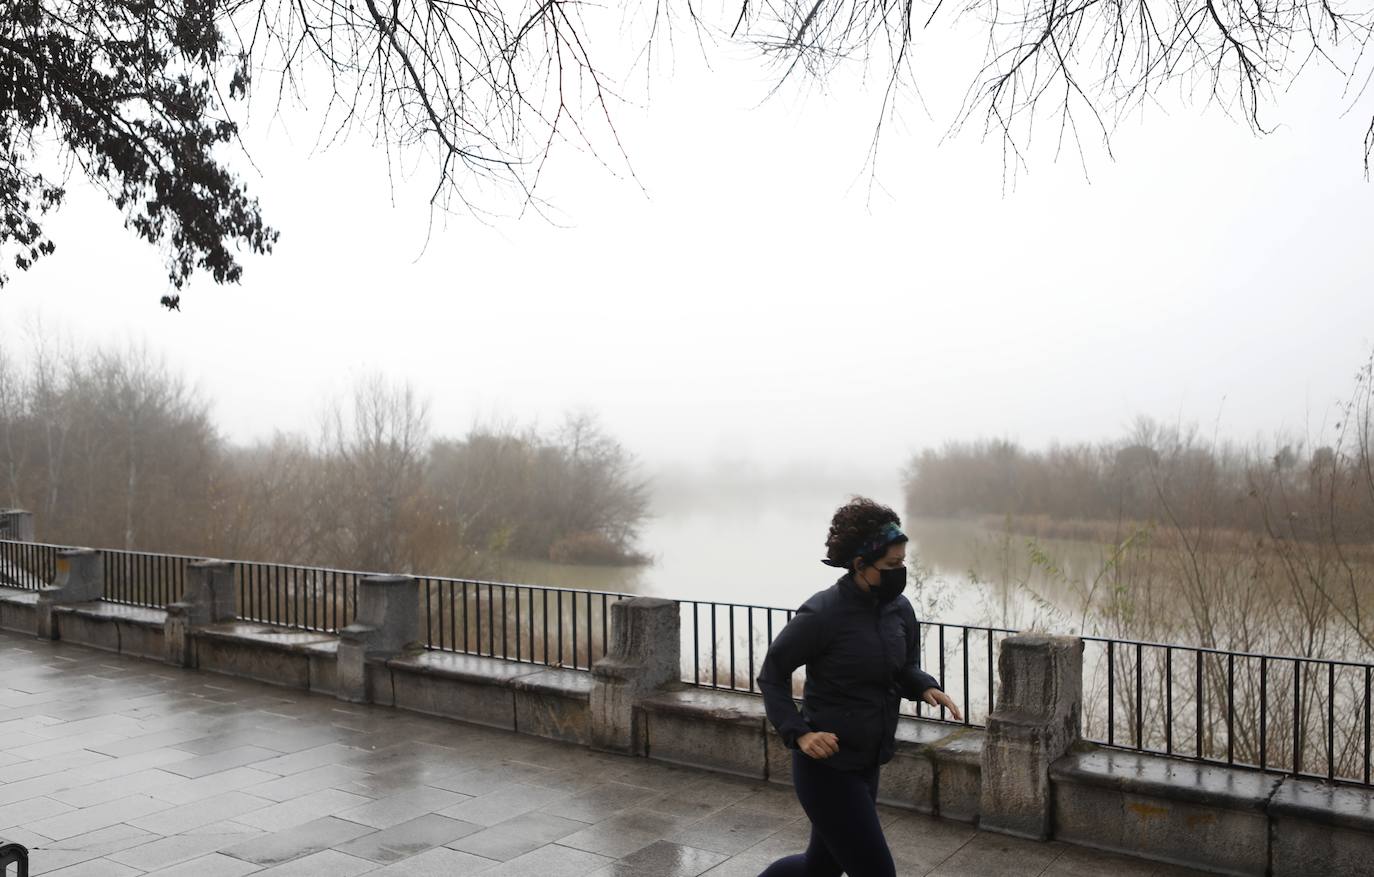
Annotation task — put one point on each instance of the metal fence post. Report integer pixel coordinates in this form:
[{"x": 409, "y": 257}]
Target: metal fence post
[
  {"x": 645, "y": 654},
  {"x": 1038, "y": 717}
]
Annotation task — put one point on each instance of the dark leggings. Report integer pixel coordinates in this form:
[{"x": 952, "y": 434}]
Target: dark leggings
[{"x": 846, "y": 837}]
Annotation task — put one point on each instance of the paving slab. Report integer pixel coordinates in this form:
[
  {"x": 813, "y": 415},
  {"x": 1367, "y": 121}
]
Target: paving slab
[
  {"x": 408, "y": 839},
  {"x": 517, "y": 836},
  {"x": 113, "y": 766}
]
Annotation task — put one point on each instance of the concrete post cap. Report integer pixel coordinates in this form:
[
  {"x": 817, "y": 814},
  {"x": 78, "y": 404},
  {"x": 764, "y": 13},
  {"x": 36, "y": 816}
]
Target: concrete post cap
[
  {"x": 1029, "y": 644},
  {"x": 648, "y": 602},
  {"x": 1036, "y": 638},
  {"x": 388, "y": 580}
]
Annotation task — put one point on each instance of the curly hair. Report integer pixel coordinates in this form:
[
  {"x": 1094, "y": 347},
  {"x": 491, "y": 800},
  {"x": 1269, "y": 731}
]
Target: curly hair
[{"x": 854, "y": 524}]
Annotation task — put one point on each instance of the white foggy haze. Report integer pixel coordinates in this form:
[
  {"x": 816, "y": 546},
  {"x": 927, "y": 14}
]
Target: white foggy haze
[{"x": 757, "y": 305}]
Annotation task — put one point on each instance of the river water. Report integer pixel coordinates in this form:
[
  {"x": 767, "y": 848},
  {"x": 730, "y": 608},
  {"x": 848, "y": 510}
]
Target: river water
[{"x": 765, "y": 549}]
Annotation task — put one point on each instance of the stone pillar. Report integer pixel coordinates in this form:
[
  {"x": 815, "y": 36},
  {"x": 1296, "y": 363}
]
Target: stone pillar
[
  {"x": 16, "y": 524},
  {"x": 211, "y": 596},
  {"x": 80, "y": 579},
  {"x": 387, "y": 622},
  {"x": 1037, "y": 718},
  {"x": 645, "y": 655}
]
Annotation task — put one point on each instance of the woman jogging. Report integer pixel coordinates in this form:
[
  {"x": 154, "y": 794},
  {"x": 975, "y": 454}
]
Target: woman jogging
[{"x": 857, "y": 639}]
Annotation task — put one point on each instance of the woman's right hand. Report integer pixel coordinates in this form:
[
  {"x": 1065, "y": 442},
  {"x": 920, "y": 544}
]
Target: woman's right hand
[{"x": 819, "y": 744}]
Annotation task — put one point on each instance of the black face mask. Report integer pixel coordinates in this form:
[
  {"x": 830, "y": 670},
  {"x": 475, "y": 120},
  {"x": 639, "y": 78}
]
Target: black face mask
[{"x": 891, "y": 583}]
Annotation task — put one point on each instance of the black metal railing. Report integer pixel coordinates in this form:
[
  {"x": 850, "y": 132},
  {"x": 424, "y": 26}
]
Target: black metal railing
[
  {"x": 312, "y": 598},
  {"x": 963, "y": 657},
  {"x": 558, "y": 627},
  {"x": 141, "y": 578},
  {"x": 27, "y": 565},
  {"x": 729, "y": 643},
  {"x": 1307, "y": 717},
  {"x": 724, "y": 645},
  {"x": 285, "y": 595},
  {"x": 133, "y": 578}
]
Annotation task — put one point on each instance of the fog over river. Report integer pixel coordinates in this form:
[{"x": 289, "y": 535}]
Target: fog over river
[{"x": 763, "y": 545}]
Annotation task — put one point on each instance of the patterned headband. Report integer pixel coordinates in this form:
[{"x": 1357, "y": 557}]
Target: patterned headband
[{"x": 874, "y": 547}]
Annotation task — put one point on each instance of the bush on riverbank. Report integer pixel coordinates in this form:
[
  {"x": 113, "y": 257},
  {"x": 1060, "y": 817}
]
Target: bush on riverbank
[
  {"x": 111, "y": 448},
  {"x": 592, "y": 548},
  {"x": 1155, "y": 475},
  {"x": 1260, "y": 548}
]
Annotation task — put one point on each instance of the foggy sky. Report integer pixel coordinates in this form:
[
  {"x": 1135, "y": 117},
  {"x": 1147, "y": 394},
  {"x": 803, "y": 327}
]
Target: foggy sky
[{"x": 757, "y": 300}]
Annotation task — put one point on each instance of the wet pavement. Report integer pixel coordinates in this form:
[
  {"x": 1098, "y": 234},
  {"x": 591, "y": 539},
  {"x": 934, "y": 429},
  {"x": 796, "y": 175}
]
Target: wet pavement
[{"x": 111, "y": 766}]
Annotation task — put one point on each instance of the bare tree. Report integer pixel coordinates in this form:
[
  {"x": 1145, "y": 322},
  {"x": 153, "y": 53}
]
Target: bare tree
[
  {"x": 141, "y": 96},
  {"x": 376, "y": 450},
  {"x": 109, "y": 448},
  {"x": 575, "y": 495},
  {"x": 13, "y": 399},
  {"x": 1082, "y": 65}
]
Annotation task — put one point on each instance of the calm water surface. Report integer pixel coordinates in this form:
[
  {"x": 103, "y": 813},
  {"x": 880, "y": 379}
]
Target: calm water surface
[{"x": 766, "y": 550}]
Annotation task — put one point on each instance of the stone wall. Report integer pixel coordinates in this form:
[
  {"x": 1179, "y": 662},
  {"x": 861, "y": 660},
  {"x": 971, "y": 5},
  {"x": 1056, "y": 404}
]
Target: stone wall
[{"x": 1027, "y": 774}]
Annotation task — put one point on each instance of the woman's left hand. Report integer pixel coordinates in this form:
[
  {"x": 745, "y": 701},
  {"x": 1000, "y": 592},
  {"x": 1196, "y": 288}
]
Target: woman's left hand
[{"x": 936, "y": 697}]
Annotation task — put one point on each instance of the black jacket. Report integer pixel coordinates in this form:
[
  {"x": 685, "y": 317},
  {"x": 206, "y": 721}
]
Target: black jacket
[{"x": 861, "y": 660}]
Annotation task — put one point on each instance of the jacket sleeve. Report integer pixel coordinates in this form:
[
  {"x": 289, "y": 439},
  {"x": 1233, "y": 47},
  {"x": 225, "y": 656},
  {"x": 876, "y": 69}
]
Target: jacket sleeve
[
  {"x": 795, "y": 645},
  {"x": 912, "y": 680}
]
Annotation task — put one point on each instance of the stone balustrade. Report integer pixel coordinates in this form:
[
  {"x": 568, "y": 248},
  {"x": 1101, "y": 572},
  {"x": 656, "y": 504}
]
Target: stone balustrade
[{"x": 1028, "y": 774}]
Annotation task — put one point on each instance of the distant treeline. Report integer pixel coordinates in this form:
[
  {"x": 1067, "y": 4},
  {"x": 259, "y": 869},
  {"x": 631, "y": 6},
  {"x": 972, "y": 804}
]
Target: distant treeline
[
  {"x": 1159, "y": 474},
  {"x": 111, "y": 448}
]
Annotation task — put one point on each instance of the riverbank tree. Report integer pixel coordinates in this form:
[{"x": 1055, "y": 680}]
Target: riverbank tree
[
  {"x": 1265, "y": 548},
  {"x": 113, "y": 448},
  {"x": 1255, "y": 551},
  {"x": 1155, "y": 473}
]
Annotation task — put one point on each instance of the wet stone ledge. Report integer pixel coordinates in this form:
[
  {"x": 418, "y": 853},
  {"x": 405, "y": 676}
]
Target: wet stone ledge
[
  {"x": 1318, "y": 828},
  {"x": 529, "y": 698},
  {"x": 713, "y": 729},
  {"x": 1164, "y": 809},
  {"x": 18, "y": 610},
  {"x": 275, "y": 655},
  {"x": 128, "y": 630}
]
